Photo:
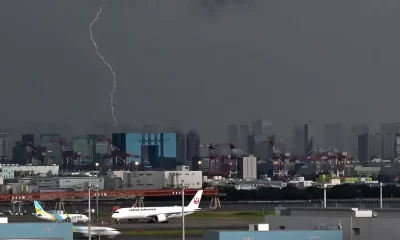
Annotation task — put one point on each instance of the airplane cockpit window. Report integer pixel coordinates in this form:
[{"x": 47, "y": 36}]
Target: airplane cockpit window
[{"x": 116, "y": 212}]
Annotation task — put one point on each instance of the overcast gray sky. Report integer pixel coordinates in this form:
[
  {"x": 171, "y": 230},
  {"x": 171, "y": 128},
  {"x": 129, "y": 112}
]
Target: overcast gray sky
[{"x": 203, "y": 65}]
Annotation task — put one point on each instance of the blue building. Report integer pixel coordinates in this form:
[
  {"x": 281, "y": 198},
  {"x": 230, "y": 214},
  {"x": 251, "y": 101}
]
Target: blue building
[
  {"x": 147, "y": 147},
  {"x": 31, "y": 230},
  {"x": 272, "y": 235}
]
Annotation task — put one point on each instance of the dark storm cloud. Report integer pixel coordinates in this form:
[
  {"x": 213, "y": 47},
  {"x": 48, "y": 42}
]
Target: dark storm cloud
[
  {"x": 288, "y": 61},
  {"x": 213, "y": 6}
]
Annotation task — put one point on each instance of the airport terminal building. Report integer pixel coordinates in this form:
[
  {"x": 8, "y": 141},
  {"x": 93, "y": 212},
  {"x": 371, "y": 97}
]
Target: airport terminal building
[{"x": 355, "y": 226}]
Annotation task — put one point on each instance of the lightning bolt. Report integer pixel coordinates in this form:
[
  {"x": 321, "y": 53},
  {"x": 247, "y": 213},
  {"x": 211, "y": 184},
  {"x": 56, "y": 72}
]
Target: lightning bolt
[{"x": 106, "y": 63}]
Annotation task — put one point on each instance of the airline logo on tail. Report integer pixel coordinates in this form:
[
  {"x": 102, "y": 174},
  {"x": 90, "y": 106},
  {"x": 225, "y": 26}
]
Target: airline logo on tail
[{"x": 194, "y": 204}]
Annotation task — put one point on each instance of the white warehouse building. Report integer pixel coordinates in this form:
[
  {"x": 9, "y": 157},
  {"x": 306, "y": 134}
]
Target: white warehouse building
[
  {"x": 162, "y": 179},
  {"x": 7, "y": 171}
]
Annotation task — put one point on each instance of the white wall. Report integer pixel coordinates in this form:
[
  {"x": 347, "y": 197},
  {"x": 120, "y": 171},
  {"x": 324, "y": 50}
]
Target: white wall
[
  {"x": 7, "y": 170},
  {"x": 164, "y": 179},
  {"x": 71, "y": 182},
  {"x": 250, "y": 168}
]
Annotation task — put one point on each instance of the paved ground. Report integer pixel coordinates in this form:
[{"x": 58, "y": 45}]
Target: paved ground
[{"x": 174, "y": 224}]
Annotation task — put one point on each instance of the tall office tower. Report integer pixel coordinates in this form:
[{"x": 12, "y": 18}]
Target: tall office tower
[
  {"x": 334, "y": 136},
  {"x": 244, "y": 132},
  {"x": 257, "y": 146},
  {"x": 376, "y": 146},
  {"x": 262, "y": 127},
  {"x": 397, "y": 146},
  {"x": 233, "y": 134},
  {"x": 309, "y": 138},
  {"x": 3, "y": 145},
  {"x": 192, "y": 146},
  {"x": 53, "y": 145},
  {"x": 355, "y": 131},
  {"x": 298, "y": 140},
  {"x": 181, "y": 148},
  {"x": 388, "y": 146}
]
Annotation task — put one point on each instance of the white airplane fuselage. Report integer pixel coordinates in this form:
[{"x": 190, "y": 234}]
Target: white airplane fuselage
[
  {"x": 143, "y": 213},
  {"x": 158, "y": 214},
  {"x": 96, "y": 231},
  {"x": 73, "y": 217}
]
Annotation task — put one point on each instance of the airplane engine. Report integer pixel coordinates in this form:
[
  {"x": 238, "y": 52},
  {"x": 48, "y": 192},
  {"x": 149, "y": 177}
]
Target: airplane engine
[{"x": 161, "y": 218}]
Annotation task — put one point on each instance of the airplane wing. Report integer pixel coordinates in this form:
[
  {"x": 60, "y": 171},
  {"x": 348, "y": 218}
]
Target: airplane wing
[{"x": 85, "y": 231}]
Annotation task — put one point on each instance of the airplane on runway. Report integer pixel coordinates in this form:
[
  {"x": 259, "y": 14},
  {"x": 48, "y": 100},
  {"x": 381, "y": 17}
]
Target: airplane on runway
[
  {"x": 84, "y": 230},
  {"x": 95, "y": 232},
  {"x": 50, "y": 216},
  {"x": 158, "y": 214}
]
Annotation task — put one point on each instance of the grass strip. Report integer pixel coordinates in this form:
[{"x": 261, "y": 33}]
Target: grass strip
[{"x": 230, "y": 215}]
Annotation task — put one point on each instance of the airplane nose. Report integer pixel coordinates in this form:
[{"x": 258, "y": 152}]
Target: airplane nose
[
  {"x": 115, "y": 233},
  {"x": 114, "y": 215}
]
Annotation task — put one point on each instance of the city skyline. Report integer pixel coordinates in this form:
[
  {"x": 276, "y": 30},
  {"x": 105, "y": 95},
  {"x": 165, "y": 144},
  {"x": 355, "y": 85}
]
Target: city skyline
[{"x": 175, "y": 59}]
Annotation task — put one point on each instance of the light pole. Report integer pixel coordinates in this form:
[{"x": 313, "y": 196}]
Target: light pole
[
  {"x": 324, "y": 195},
  {"x": 381, "y": 194},
  {"x": 183, "y": 212},
  {"x": 90, "y": 216},
  {"x": 97, "y": 204}
]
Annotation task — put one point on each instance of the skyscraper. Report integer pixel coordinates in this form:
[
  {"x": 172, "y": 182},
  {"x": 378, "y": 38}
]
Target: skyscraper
[
  {"x": 334, "y": 136},
  {"x": 355, "y": 131},
  {"x": 3, "y": 145},
  {"x": 262, "y": 127},
  {"x": 192, "y": 145},
  {"x": 308, "y": 139},
  {"x": 52, "y": 142},
  {"x": 298, "y": 138},
  {"x": 244, "y": 132},
  {"x": 233, "y": 134}
]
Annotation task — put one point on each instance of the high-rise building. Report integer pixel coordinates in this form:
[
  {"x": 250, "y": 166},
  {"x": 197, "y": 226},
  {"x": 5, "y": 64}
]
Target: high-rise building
[
  {"x": 388, "y": 146},
  {"x": 53, "y": 145},
  {"x": 397, "y": 147},
  {"x": 233, "y": 134},
  {"x": 262, "y": 127},
  {"x": 244, "y": 132},
  {"x": 376, "y": 146},
  {"x": 309, "y": 138},
  {"x": 258, "y": 146},
  {"x": 83, "y": 146},
  {"x": 158, "y": 147},
  {"x": 247, "y": 168},
  {"x": 355, "y": 131},
  {"x": 192, "y": 145},
  {"x": 334, "y": 136},
  {"x": 3, "y": 145},
  {"x": 298, "y": 138},
  {"x": 181, "y": 148}
]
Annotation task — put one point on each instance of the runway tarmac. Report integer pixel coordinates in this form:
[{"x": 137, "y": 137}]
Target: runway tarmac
[{"x": 174, "y": 224}]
